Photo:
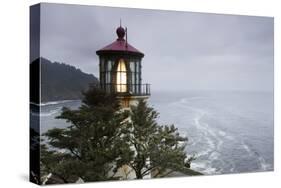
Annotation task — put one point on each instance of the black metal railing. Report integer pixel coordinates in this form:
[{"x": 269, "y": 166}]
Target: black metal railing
[{"x": 128, "y": 89}]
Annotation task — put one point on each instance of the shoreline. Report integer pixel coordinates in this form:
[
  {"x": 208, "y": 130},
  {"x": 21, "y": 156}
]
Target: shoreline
[{"x": 54, "y": 102}]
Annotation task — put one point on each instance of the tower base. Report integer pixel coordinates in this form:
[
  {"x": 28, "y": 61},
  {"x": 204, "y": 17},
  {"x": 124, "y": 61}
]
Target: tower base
[{"x": 127, "y": 101}]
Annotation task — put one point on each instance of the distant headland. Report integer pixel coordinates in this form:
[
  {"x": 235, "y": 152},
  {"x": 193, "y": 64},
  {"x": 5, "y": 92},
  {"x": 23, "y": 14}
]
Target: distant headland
[{"x": 60, "y": 81}]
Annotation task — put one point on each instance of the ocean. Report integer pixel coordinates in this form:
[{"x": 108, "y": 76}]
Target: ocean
[{"x": 228, "y": 132}]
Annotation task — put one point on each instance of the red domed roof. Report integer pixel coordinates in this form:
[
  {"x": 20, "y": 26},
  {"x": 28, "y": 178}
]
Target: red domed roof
[{"x": 120, "y": 45}]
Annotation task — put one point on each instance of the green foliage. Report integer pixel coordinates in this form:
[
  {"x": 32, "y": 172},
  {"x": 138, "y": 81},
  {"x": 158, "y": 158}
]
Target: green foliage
[
  {"x": 158, "y": 149},
  {"x": 101, "y": 138},
  {"x": 92, "y": 146}
]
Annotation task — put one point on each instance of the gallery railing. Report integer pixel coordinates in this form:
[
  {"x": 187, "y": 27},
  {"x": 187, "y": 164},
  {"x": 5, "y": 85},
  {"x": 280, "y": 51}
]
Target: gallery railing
[{"x": 128, "y": 89}]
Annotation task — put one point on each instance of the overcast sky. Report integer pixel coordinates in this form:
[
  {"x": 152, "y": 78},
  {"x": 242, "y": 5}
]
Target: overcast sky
[{"x": 183, "y": 51}]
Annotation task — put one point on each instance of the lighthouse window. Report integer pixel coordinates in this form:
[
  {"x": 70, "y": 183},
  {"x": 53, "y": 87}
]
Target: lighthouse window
[
  {"x": 137, "y": 82},
  {"x": 108, "y": 77},
  {"x": 133, "y": 78},
  {"x": 121, "y": 77},
  {"x": 101, "y": 65},
  {"x": 132, "y": 66},
  {"x": 137, "y": 66},
  {"x": 109, "y": 65},
  {"x": 137, "y": 73},
  {"x": 133, "y": 82}
]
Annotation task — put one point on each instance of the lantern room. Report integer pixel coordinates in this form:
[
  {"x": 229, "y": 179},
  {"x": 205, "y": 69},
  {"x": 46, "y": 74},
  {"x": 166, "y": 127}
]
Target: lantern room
[{"x": 120, "y": 67}]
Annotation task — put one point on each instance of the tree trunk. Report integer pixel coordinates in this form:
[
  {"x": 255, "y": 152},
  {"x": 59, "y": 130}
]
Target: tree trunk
[{"x": 138, "y": 174}]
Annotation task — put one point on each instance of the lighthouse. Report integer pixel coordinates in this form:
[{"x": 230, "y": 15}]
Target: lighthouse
[{"x": 120, "y": 66}]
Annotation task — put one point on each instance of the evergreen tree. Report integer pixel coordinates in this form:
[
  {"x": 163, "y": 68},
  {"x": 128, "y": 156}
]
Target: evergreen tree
[
  {"x": 102, "y": 137},
  {"x": 92, "y": 147},
  {"x": 159, "y": 150}
]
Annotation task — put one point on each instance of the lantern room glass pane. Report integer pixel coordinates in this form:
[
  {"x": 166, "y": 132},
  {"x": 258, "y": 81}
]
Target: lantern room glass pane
[
  {"x": 133, "y": 78},
  {"x": 121, "y": 77},
  {"x": 132, "y": 66},
  {"x": 101, "y": 65},
  {"x": 133, "y": 82},
  {"x": 108, "y": 78},
  {"x": 137, "y": 78},
  {"x": 137, "y": 66},
  {"x": 109, "y": 65}
]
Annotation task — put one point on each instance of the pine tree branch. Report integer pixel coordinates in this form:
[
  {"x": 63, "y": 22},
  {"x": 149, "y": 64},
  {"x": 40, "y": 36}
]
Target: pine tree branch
[
  {"x": 146, "y": 172},
  {"x": 75, "y": 154}
]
